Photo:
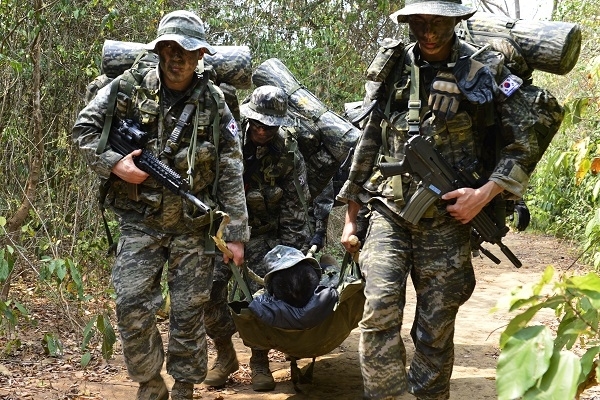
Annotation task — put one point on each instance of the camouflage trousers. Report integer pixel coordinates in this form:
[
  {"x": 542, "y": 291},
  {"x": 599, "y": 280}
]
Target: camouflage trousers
[
  {"x": 141, "y": 256},
  {"x": 436, "y": 254},
  {"x": 217, "y": 317}
]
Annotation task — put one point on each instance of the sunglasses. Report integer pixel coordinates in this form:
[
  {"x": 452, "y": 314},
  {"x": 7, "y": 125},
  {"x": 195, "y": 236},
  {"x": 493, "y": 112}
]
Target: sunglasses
[{"x": 259, "y": 125}]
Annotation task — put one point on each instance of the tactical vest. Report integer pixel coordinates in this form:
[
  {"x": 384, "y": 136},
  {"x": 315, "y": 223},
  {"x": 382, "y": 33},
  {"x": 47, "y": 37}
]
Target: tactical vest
[
  {"x": 266, "y": 169},
  {"x": 136, "y": 95},
  {"x": 458, "y": 139}
]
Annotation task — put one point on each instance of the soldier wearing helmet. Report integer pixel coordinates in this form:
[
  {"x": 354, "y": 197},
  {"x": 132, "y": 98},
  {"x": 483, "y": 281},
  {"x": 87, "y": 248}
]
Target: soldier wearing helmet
[
  {"x": 159, "y": 228},
  {"x": 446, "y": 90},
  {"x": 272, "y": 177}
]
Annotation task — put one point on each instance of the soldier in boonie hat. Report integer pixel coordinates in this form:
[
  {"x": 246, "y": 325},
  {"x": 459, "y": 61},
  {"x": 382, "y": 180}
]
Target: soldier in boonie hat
[
  {"x": 185, "y": 28},
  {"x": 446, "y": 8},
  {"x": 267, "y": 105}
]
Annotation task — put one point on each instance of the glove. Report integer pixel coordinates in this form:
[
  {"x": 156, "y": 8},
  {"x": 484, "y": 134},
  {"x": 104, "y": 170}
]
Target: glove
[
  {"x": 445, "y": 96},
  {"x": 318, "y": 240},
  {"x": 475, "y": 80}
]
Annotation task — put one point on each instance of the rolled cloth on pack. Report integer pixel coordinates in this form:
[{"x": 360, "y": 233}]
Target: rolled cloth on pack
[
  {"x": 232, "y": 64},
  {"x": 549, "y": 46},
  {"x": 317, "y": 125}
]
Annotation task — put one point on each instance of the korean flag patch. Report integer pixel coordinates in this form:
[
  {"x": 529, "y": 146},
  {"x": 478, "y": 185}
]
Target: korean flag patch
[
  {"x": 233, "y": 127},
  {"x": 510, "y": 85}
]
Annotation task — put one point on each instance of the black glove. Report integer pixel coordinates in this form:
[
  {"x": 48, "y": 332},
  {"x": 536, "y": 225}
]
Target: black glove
[
  {"x": 445, "y": 96},
  {"x": 475, "y": 80},
  {"x": 318, "y": 240}
]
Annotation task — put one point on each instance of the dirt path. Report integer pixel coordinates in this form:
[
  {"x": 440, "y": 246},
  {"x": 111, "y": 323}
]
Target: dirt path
[{"x": 337, "y": 374}]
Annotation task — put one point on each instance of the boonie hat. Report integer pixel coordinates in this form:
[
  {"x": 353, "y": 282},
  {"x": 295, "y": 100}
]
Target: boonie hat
[
  {"x": 283, "y": 257},
  {"x": 268, "y": 104},
  {"x": 445, "y": 8},
  {"x": 185, "y": 28}
]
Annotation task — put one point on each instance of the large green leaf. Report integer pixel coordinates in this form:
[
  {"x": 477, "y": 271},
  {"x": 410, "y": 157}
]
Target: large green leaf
[
  {"x": 560, "y": 381},
  {"x": 587, "y": 362},
  {"x": 523, "y": 360}
]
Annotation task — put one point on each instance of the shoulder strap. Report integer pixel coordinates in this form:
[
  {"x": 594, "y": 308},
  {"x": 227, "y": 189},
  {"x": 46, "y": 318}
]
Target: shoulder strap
[
  {"x": 129, "y": 81},
  {"x": 110, "y": 113},
  {"x": 292, "y": 148},
  {"x": 391, "y": 84}
]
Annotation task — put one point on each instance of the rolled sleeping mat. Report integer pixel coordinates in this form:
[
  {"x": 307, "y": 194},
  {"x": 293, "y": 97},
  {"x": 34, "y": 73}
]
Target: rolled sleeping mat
[
  {"x": 337, "y": 133},
  {"x": 549, "y": 46},
  {"x": 232, "y": 64}
]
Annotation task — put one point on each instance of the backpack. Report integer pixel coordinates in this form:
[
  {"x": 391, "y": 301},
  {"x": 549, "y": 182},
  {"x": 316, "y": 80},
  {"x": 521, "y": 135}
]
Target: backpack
[
  {"x": 527, "y": 45},
  {"x": 324, "y": 138}
]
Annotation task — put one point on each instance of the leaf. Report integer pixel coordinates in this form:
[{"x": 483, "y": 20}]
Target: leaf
[
  {"x": 587, "y": 362},
  {"x": 560, "y": 381},
  {"x": 546, "y": 278},
  {"x": 85, "y": 359},
  {"x": 595, "y": 167},
  {"x": 52, "y": 345},
  {"x": 582, "y": 170},
  {"x": 88, "y": 333},
  {"x": 523, "y": 360},
  {"x": 108, "y": 336},
  {"x": 76, "y": 276}
]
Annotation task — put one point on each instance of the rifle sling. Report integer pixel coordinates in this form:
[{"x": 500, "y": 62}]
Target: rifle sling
[{"x": 186, "y": 114}]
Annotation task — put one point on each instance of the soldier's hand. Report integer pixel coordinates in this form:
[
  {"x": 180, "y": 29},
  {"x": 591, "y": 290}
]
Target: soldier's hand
[
  {"x": 475, "y": 80},
  {"x": 235, "y": 253},
  {"x": 128, "y": 171},
  {"x": 445, "y": 96}
]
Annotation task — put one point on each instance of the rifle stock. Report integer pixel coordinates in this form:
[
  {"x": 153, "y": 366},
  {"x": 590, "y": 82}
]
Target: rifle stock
[
  {"x": 126, "y": 137},
  {"x": 438, "y": 177}
]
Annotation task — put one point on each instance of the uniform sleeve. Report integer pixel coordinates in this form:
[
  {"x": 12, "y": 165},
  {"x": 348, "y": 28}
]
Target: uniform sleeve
[
  {"x": 87, "y": 132},
  {"x": 293, "y": 221},
  {"x": 230, "y": 188},
  {"x": 367, "y": 148},
  {"x": 520, "y": 156}
]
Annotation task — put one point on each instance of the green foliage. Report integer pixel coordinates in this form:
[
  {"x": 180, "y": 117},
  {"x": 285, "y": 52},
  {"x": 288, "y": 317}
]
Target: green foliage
[
  {"x": 537, "y": 363},
  {"x": 52, "y": 345},
  {"x": 101, "y": 326}
]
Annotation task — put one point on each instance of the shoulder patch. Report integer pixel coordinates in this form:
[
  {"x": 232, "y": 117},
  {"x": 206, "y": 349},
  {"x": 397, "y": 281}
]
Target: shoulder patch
[
  {"x": 510, "y": 85},
  {"x": 233, "y": 127}
]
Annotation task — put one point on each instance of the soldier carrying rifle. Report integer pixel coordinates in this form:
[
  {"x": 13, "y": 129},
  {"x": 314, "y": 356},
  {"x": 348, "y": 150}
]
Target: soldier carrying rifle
[{"x": 192, "y": 131}]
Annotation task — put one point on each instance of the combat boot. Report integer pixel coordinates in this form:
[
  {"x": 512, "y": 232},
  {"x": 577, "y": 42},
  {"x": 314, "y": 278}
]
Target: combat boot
[
  {"x": 262, "y": 378},
  {"x": 225, "y": 364},
  {"x": 154, "y": 389},
  {"x": 182, "y": 391}
]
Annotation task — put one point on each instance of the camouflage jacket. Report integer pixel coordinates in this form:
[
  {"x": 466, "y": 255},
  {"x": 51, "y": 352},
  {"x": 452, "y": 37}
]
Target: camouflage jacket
[
  {"x": 274, "y": 206},
  {"x": 463, "y": 136},
  {"x": 157, "y": 110}
]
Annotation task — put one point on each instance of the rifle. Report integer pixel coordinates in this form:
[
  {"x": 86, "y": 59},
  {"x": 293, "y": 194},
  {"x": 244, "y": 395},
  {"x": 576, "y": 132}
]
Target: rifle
[
  {"x": 126, "y": 136},
  {"x": 438, "y": 177}
]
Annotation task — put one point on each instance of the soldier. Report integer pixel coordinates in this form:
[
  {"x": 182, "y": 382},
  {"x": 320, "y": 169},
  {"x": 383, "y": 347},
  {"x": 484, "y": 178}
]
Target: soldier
[
  {"x": 441, "y": 89},
  {"x": 276, "y": 216},
  {"x": 157, "y": 227}
]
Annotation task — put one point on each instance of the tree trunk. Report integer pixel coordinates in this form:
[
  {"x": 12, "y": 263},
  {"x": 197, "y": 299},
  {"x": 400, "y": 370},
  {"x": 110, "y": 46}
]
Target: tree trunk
[{"x": 15, "y": 223}]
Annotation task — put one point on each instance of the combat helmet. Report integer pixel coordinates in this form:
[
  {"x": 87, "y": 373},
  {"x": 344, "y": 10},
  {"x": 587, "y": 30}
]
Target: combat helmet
[
  {"x": 185, "y": 28},
  {"x": 445, "y": 8},
  {"x": 268, "y": 105}
]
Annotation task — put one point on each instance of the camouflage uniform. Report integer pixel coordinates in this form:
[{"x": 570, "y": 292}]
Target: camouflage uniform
[
  {"x": 276, "y": 214},
  {"x": 435, "y": 252},
  {"x": 159, "y": 227}
]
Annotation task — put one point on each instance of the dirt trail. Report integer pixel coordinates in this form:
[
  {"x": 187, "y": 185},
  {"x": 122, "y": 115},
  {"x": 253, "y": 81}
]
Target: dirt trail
[{"x": 337, "y": 374}]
